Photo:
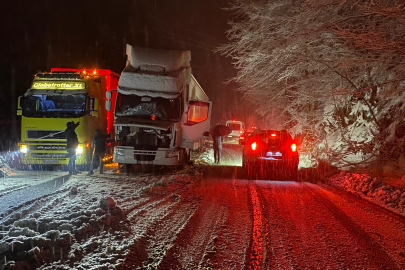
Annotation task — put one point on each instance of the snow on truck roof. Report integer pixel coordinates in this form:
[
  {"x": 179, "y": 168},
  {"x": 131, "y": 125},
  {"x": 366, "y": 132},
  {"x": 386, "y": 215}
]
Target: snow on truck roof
[
  {"x": 169, "y": 60},
  {"x": 156, "y": 73}
]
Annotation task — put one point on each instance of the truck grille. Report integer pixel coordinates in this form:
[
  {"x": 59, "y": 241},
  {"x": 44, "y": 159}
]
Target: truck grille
[
  {"x": 47, "y": 147},
  {"x": 50, "y": 155},
  {"x": 146, "y": 141},
  {"x": 46, "y": 134}
]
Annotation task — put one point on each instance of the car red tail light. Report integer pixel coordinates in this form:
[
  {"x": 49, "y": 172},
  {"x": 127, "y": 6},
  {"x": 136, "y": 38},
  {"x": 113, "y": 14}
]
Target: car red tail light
[
  {"x": 240, "y": 131},
  {"x": 241, "y": 138},
  {"x": 254, "y": 146},
  {"x": 273, "y": 135},
  {"x": 294, "y": 147}
]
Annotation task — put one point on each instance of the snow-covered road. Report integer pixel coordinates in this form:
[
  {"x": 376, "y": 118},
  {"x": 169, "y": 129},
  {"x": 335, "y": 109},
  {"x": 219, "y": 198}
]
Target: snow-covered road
[{"x": 199, "y": 218}]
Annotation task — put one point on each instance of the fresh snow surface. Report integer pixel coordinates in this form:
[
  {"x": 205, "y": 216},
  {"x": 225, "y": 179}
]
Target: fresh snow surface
[
  {"x": 372, "y": 189},
  {"x": 170, "y": 60},
  {"x": 82, "y": 222}
]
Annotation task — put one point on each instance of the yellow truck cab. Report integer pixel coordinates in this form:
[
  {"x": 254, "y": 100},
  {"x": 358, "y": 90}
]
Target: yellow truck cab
[{"x": 58, "y": 97}]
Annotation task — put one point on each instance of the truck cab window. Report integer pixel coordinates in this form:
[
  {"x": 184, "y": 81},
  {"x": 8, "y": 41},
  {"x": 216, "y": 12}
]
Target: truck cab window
[
  {"x": 145, "y": 107},
  {"x": 63, "y": 106}
]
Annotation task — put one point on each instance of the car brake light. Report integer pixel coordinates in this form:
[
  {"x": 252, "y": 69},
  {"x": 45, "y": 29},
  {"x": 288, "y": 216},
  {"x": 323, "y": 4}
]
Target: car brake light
[
  {"x": 241, "y": 138},
  {"x": 273, "y": 135},
  {"x": 254, "y": 146},
  {"x": 240, "y": 131},
  {"x": 294, "y": 147}
]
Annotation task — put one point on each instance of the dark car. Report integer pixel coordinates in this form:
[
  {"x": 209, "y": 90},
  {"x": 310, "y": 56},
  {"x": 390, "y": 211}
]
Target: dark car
[
  {"x": 270, "y": 152},
  {"x": 246, "y": 134}
]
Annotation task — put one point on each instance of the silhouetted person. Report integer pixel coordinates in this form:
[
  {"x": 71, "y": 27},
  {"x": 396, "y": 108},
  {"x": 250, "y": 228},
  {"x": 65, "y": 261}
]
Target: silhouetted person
[
  {"x": 217, "y": 145},
  {"x": 99, "y": 142},
  {"x": 71, "y": 145}
]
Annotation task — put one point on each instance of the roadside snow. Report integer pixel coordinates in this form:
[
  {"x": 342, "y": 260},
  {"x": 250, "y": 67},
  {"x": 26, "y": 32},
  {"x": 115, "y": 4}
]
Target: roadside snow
[
  {"x": 372, "y": 189},
  {"x": 84, "y": 224}
]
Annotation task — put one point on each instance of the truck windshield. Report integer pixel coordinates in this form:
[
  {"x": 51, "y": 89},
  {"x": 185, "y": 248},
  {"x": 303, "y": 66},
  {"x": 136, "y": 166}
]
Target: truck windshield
[
  {"x": 145, "y": 107},
  {"x": 63, "y": 106}
]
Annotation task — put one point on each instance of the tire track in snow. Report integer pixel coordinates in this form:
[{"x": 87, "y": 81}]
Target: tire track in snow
[
  {"x": 280, "y": 249},
  {"x": 258, "y": 249},
  {"x": 298, "y": 229},
  {"x": 210, "y": 249},
  {"x": 189, "y": 248},
  {"x": 376, "y": 256},
  {"x": 153, "y": 222},
  {"x": 233, "y": 235}
]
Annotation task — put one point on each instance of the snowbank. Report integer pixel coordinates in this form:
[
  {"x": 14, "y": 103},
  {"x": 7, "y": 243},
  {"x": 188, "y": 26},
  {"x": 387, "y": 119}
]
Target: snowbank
[
  {"x": 85, "y": 224},
  {"x": 372, "y": 189}
]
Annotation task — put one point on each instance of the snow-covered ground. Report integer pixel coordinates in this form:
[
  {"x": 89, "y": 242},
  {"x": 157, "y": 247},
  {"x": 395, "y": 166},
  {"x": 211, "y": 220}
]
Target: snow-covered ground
[
  {"x": 373, "y": 189},
  {"x": 83, "y": 222}
]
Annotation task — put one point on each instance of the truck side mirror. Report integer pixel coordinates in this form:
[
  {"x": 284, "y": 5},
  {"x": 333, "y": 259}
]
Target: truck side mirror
[
  {"x": 93, "y": 107},
  {"x": 20, "y": 104},
  {"x": 197, "y": 112},
  {"x": 108, "y": 105},
  {"x": 109, "y": 95}
]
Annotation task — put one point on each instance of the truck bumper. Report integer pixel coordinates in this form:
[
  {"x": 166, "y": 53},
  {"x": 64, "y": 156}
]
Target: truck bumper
[
  {"x": 34, "y": 156},
  {"x": 163, "y": 156}
]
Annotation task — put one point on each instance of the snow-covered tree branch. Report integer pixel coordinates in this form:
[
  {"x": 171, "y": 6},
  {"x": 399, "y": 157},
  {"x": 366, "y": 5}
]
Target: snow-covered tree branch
[{"x": 329, "y": 70}]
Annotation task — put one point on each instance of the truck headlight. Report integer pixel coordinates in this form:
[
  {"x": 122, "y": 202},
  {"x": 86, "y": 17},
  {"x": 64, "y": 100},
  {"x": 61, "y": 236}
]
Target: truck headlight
[
  {"x": 23, "y": 149},
  {"x": 79, "y": 150},
  {"x": 170, "y": 154}
]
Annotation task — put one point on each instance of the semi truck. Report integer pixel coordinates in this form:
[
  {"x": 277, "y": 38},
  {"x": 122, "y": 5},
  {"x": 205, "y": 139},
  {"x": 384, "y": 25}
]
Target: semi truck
[
  {"x": 55, "y": 98},
  {"x": 161, "y": 111}
]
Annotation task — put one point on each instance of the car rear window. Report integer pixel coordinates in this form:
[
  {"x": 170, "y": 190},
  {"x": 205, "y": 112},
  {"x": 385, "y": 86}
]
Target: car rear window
[
  {"x": 272, "y": 136},
  {"x": 234, "y": 126}
]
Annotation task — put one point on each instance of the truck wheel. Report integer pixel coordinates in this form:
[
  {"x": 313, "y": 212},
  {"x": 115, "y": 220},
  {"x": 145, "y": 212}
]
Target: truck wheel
[
  {"x": 183, "y": 160},
  {"x": 124, "y": 168}
]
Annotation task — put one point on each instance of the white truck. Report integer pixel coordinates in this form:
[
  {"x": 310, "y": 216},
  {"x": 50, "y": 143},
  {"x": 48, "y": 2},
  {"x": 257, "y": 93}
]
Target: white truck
[{"x": 161, "y": 112}]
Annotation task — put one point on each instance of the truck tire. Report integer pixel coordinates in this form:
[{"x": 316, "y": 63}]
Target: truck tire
[
  {"x": 183, "y": 159},
  {"x": 124, "y": 168}
]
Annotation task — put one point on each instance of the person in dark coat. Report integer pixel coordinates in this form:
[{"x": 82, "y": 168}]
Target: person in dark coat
[
  {"x": 99, "y": 142},
  {"x": 71, "y": 144},
  {"x": 217, "y": 145}
]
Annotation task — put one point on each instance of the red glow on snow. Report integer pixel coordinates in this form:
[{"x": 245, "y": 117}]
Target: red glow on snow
[{"x": 257, "y": 241}]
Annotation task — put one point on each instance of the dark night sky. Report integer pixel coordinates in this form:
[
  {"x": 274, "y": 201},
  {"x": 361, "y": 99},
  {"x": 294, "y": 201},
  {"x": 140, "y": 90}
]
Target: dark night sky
[{"x": 39, "y": 35}]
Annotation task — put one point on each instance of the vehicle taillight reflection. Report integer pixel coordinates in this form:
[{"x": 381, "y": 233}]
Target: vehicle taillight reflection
[
  {"x": 294, "y": 147},
  {"x": 254, "y": 146}
]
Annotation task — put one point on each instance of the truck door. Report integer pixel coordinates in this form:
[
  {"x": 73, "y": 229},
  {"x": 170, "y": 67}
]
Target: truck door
[{"x": 195, "y": 122}]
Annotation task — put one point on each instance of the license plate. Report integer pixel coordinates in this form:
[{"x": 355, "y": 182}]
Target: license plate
[
  {"x": 48, "y": 161},
  {"x": 274, "y": 154},
  {"x": 144, "y": 162}
]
